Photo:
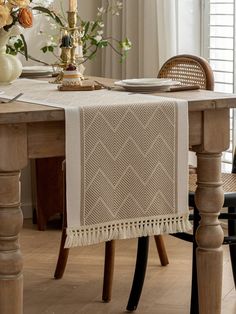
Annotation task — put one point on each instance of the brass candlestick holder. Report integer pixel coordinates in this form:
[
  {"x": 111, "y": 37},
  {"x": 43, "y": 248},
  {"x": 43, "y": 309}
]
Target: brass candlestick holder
[
  {"x": 71, "y": 44},
  {"x": 70, "y": 40}
]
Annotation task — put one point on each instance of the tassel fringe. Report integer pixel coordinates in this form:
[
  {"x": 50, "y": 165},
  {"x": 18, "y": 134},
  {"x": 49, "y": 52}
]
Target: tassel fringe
[{"x": 87, "y": 235}]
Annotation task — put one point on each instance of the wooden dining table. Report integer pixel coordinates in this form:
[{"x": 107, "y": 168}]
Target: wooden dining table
[{"x": 29, "y": 131}]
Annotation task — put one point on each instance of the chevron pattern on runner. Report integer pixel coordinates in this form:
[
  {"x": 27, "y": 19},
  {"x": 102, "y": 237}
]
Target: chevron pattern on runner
[{"x": 129, "y": 162}]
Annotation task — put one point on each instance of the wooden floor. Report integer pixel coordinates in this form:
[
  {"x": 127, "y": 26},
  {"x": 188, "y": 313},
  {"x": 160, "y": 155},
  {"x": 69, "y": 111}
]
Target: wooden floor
[{"x": 166, "y": 289}]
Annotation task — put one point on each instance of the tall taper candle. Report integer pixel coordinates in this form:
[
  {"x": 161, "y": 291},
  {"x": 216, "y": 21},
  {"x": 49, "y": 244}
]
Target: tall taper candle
[{"x": 72, "y": 5}]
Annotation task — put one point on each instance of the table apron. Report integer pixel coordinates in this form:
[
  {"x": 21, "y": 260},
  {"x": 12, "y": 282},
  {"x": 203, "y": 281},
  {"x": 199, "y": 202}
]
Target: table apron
[{"x": 47, "y": 139}]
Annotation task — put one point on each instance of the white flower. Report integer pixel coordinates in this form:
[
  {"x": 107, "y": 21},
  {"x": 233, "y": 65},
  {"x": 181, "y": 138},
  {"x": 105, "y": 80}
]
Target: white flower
[
  {"x": 12, "y": 41},
  {"x": 101, "y": 24},
  {"x": 101, "y": 11},
  {"x": 126, "y": 45},
  {"x": 100, "y": 32},
  {"x": 115, "y": 12},
  {"x": 119, "y": 5},
  {"x": 98, "y": 38}
]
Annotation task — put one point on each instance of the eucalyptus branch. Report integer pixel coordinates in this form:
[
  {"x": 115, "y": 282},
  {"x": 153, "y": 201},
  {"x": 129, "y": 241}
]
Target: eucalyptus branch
[
  {"x": 107, "y": 5},
  {"x": 112, "y": 38},
  {"x": 58, "y": 58},
  {"x": 34, "y": 59},
  {"x": 116, "y": 50},
  {"x": 89, "y": 47},
  {"x": 86, "y": 58}
]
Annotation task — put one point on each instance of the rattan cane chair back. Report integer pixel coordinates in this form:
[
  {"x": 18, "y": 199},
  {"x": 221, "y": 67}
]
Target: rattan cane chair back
[{"x": 188, "y": 70}]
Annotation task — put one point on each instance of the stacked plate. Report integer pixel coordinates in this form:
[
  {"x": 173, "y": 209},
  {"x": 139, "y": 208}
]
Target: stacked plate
[
  {"x": 36, "y": 71},
  {"x": 147, "y": 84}
]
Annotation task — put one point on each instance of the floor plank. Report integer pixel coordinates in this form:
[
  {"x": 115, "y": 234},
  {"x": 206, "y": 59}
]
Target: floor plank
[{"x": 166, "y": 289}]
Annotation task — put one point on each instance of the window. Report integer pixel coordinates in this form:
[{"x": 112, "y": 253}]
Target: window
[{"x": 219, "y": 47}]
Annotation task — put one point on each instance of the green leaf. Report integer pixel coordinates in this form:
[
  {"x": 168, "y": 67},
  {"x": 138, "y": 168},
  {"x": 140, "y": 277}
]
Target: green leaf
[
  {"x": 93, "y": 41},
  {"x": 50, "y": 48},
  {"x": 103, "y": 43},
  {"x": 25, "y": 47},
  {"x": 86, "y": 28},
  {"x": 16, "y": 45},
  {"x": 11, "y": 50},
  {"x": 58, "y": 20},
  {"x": 44, "y": 49},
  {"x": 94, "y": 26}
]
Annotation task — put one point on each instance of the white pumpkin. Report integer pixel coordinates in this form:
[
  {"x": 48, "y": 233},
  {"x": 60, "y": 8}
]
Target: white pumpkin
[{"x": 10, "y": 66}]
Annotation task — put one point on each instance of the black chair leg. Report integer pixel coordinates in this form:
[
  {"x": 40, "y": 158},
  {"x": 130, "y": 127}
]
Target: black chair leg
[
  {"x": 62, "y": 257},
  {"x": 194, "y": 293},
  {"x": 139, "y": 274},
  {"x": 108, "y": 270},
  {"x": 232, "y": 248}
]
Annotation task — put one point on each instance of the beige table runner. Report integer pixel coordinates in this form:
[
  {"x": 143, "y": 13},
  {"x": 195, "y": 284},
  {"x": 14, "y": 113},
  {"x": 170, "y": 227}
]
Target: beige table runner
[{"x": 126, "y": 157}]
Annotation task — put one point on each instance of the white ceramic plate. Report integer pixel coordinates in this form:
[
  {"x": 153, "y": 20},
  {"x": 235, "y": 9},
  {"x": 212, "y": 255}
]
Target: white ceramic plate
[
  {"x": 36, "y": 71},
  {"x": 146, "y": 88},
  {"x": 147, "y": 81}
]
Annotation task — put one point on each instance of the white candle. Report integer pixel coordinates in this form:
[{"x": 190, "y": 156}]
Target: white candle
[
  {"x": 72, "y": 5},
  {"x": 80, "y": 51}
]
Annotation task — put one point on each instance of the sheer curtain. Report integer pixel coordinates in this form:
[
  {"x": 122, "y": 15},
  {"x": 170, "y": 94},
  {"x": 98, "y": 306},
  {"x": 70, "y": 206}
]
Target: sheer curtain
[
  {"x": 152, "y": 27},
  {"x": 158, "y": 30}
]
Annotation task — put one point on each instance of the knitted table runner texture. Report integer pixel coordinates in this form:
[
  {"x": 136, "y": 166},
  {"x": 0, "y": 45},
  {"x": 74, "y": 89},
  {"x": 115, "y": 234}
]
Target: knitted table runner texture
[{"x": 126, "y": 161}]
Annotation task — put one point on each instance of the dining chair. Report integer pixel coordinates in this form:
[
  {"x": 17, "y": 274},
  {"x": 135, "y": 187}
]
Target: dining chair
[
  {"x": 64, "y": 252},
  {"x": 47, "y": 176},
  {"x": 229, "y": 187},
  {"x": 188, "y": 70}
]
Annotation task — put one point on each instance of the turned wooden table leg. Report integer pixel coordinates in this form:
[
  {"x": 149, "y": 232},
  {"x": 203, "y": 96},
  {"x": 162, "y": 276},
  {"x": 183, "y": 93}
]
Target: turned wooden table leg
[
  {"x": 13, "y": 156},
  {"x": 209, "y": 199},
  {"x": 10, "y": 256}
]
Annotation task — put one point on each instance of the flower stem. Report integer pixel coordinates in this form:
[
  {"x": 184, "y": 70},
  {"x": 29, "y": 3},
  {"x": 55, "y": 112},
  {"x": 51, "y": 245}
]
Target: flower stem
[{"x": 34, "y": 59}]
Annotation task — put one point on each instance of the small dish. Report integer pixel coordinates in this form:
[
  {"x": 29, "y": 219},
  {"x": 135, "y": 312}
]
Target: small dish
[
  {"x": 147, "y": 81},
  {"x": 36, "y": 71},
  {"x": 164, "y": 86}
]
